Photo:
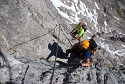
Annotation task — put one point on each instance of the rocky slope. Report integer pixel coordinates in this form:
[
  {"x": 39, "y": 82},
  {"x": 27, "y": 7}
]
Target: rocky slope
[{"x": 33, "y": 30}]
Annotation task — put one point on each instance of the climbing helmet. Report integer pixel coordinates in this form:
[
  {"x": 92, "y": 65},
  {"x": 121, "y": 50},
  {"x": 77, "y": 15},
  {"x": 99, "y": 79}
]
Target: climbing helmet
[
  {"x": 80, "y": 23},
  {"x": 84, "y": 44}
]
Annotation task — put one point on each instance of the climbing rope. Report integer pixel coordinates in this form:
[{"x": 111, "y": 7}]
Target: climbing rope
[
  {"x": 25, "y": 74},
  {"x": 12, "y": 48},
  {"x": 66, "y": 37},
  {"x": 55, "y": 57},
  {"x": 31, "y": 39}
]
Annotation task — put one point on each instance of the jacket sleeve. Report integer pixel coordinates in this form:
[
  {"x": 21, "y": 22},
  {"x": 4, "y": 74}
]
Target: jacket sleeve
[{"x": 87, "y": 54}]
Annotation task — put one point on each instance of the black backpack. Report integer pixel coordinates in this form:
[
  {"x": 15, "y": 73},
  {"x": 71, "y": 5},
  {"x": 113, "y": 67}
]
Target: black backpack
[
  {"x": 83, "y": 26},
  {"x": 92, "y": 46}
]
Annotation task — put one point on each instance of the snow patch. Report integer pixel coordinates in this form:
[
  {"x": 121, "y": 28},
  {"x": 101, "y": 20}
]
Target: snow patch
[
  {"x": 97, "y": 6},
  {"x": 85, "y": 11},
  {"x": 120, "y": 52},
  {"x": 116, "y": 18},
  {"x": 76, "y": 1},
  {"x": 123, "y": 45},
  {"x": 105, "y": 23},
  {"x": 57, "y": 3},
  {"x": 104, "y": 14},
  {"x": 29, "y": 14}
]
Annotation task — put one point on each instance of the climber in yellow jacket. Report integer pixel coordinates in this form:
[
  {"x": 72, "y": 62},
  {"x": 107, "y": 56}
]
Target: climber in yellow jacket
[{"x": 78, "y": 31}]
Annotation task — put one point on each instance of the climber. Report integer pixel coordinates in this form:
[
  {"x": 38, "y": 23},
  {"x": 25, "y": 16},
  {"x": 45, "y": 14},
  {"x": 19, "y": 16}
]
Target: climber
[
  {"x": 82, "y": 51},
  {"x": 78, "y": 31}
]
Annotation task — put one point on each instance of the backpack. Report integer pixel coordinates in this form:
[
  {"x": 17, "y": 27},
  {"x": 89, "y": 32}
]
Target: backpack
[
  {"x": 83, "y": 26},
  {"x": 92, "y": 46}
]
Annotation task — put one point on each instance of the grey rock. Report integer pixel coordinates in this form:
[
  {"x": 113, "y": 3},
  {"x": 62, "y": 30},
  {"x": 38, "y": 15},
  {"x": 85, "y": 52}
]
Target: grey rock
[{"x": 33, "y": 30}]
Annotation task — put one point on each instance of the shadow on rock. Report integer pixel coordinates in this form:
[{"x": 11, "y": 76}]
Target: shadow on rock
[
  {"x": 67, "y": 75},
  {"x": 2, "y": 60},
  {"x": 71, "y": 65},
  {"x": 10, "y": 82},
  {"x": 70, "y": 70},
  {"x": 4, "y": 63},
  {"x": 56, "y": 50}
]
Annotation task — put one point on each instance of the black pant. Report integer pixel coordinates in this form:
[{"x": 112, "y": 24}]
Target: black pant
[
  {"x": 74, "y": 59},
  {"x": 74, "y": 34}
]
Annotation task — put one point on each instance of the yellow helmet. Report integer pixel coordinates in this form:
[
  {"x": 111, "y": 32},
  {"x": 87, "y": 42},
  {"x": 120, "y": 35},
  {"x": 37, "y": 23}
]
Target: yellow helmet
[{"x": 84, "y": 44}]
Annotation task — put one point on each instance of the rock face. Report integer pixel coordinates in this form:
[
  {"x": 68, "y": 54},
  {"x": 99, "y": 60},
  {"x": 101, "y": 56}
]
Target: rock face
[
  {"x": 25, "y": 23},
  {"x": 33, "y": 30},
  {"x": 28, "y": 30}
]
